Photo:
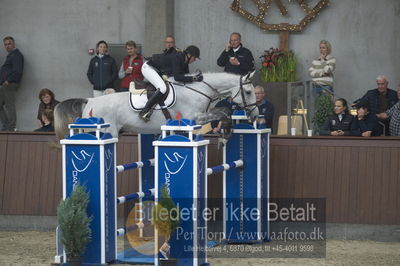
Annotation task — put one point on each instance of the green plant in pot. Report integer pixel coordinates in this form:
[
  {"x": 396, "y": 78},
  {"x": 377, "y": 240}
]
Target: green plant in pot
[
  {"x": 323, "y": 109},
  {"x": 74, "y": 224},
  {"x": 278, "y": 66},
  {"x": 166, "y": 220}
]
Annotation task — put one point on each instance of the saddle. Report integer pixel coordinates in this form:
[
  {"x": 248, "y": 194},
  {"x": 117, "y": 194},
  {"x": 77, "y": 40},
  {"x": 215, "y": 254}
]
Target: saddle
[
  {"x": 149, "y": 89},
  {"x": 141, "y": 91}
]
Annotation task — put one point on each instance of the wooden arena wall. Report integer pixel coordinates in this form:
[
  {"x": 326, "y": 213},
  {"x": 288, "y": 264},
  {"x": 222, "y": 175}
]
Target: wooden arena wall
[{"x": 359, "y": 177}]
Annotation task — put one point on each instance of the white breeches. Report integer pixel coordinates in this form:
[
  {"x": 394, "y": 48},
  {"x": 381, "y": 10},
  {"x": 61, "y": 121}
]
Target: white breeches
[{"x": 152, "y": 76}]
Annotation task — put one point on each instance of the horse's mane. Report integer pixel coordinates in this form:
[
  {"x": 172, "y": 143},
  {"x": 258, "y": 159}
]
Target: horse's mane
[{"x": 221, "y": 79}]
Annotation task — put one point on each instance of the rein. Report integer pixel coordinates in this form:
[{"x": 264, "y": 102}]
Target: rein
[{"x": 218, "y": 96}]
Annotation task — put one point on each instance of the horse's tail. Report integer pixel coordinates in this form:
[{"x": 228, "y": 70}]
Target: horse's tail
[{"x": 65, "y": 113}]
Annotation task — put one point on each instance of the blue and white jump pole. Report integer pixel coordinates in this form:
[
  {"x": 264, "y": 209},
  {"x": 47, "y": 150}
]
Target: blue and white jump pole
[
  {"x": 246, "y": 189},
  {"x": 89, "y": 159},
  {"x": 180, "y": 164}
]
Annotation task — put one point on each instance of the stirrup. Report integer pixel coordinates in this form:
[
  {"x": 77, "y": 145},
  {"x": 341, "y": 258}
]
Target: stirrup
[{"x": 146, "y": 116}]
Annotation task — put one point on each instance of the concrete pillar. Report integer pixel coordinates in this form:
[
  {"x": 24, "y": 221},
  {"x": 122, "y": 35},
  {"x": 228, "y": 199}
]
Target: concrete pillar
[{"x": 159, "y": 23}]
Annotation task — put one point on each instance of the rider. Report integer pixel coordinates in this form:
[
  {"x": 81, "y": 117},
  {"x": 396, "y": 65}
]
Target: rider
[{"x": 170, "y": 64}]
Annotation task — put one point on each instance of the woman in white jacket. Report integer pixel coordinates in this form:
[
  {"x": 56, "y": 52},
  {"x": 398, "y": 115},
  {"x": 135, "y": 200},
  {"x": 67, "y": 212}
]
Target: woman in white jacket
[{"x": 321, "y": 70}]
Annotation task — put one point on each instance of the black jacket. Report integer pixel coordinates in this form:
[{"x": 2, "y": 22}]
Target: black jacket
[
  {"x": 372, "y": 98},
  {"x": 245, "y": 58},
  {"x": 46, "y": 128},
  {"x": 171, "y": 64},
  {"x": 12, "y": 68},
  {"x": 347, "y": 125},
  {"x": 369, "y": 123},
  {"x": 102, "y": 72},
  {"x": 267, "y": 110}
]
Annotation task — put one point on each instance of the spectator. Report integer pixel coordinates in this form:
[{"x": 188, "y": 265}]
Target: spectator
[
  {"x": 341, "y": 123},
  {"x": 381, "y": 99},
  {"x": 10, "y": 77},
  {"x": 102, "y": 71},
  {"x": 321, "y": 70},
  {"x": 367, "y": 123},
  {"x": 236, "y": 58},
  {"x": 172, "y": 64},
  {"x": 265, "y": 107},
  {"x": 48, "y": 121},
  {"x": 47, "y": 101},
  {"x": 131, "y": 67},
  {"x": 394, "y": 115},
  {"x": 169, "y": 44}
]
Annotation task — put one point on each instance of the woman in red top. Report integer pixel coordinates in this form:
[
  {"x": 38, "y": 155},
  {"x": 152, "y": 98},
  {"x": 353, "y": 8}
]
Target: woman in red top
[{"x": 131, "y": 66}]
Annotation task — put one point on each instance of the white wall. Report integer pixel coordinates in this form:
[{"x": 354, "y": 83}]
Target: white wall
[
  {"x": 365, "y": 36},
  {"x": 54, "y": 36}
]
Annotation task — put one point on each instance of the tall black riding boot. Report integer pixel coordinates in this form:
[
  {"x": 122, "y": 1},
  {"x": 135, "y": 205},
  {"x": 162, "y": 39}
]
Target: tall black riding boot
[{"x": 148, "y": 109}]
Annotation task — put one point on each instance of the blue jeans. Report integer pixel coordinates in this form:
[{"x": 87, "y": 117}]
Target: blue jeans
[{"x": 318, "y": 89}]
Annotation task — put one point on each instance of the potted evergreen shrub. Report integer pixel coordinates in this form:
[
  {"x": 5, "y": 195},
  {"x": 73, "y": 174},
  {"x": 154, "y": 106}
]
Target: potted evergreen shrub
[
  {"x": 74, "y": 224},
  {"x": 166, "y": 220},
  {"x": 323, "y": 109}
]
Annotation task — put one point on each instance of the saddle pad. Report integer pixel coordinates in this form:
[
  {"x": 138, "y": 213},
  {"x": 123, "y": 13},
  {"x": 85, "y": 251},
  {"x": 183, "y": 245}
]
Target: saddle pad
[{"x": 138, "y": 100}]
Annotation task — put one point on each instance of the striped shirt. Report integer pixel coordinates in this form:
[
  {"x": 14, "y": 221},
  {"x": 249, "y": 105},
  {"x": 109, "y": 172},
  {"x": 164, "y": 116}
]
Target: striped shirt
[{"x": 321, "y": 71}]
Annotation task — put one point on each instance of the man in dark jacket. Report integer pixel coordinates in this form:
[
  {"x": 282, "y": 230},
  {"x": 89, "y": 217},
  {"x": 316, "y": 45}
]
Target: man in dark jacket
[
  {"x": 168, "y": 64},
  {"x": 170, "y": 47},
  {"x": 169, "y": 44},
  {"x": 265, "y": 107},
  {"x": 102, "y": 71},
  {"x": 380, "y": 100},
  {"x": 10, "y": 77},
  {"x": 236, "y": 58}
]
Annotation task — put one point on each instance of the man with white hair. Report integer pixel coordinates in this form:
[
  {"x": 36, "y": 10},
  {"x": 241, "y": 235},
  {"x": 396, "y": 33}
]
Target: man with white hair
[
  {"x": 381, "y": 99},
  {"x": 265, "y": 107}
]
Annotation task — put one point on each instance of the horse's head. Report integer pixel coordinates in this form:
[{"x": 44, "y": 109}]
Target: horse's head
[
  {"x": 239, "y": 88},
  {"x": 244, "y": 95}
]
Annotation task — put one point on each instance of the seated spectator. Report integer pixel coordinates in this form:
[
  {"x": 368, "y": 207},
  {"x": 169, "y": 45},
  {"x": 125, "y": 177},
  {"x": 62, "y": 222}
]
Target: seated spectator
[
  {"x": 367, "y": 123},
  {"x": 394, "y": 115},
  {"x": 131, "y": 66},
  {"x": 321, "y": 70},
  {"x": 265, "y": 107},
  {"x": 47, "y": 102},
  {"x": 380, "y": 100},
  {"x": 341, "y": 123},
  {"x": 48, "y": 121}
]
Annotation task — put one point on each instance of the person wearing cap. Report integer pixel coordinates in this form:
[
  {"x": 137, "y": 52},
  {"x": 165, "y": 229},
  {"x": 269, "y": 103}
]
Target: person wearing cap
[
  {"x": 169, "y": 64},
  {"x": 367, "y": 123},
  {"x": 235, "y": 58}
]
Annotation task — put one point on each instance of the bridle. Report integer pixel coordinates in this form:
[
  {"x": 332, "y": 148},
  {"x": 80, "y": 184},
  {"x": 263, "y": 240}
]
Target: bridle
[{"x": 218, "y": 96}]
